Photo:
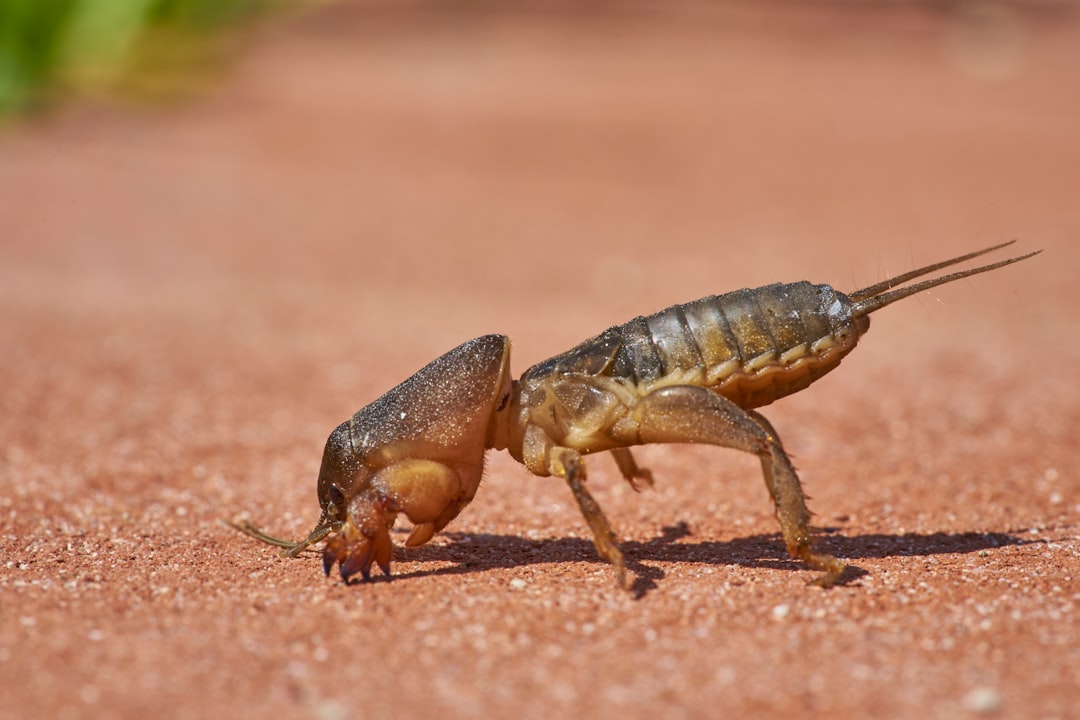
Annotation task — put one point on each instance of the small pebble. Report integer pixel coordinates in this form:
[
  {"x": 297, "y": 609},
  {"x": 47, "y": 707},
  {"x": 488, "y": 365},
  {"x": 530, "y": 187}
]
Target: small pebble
[{"x": 983, "y": 700}]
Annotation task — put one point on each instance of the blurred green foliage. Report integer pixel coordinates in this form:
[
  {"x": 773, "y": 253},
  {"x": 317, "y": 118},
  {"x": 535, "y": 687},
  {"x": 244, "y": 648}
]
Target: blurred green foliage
[{"x": 52, "y": 47}]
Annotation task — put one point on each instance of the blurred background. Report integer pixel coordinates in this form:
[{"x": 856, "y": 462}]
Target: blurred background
[
  {"x": 416, "y": 159},
  {"x": 54, "y": 50},
  {"x": 227, "y": 224},
  {"x": 543, "y": 148},
  {"x": 63, "y": 48}
]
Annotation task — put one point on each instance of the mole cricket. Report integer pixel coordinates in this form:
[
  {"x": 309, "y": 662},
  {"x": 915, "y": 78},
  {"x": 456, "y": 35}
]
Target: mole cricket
[{"x": 693, "y": 373}]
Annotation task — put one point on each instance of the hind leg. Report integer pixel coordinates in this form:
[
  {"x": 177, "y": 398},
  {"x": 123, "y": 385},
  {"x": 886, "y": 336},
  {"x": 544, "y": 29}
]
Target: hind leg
[{"x": 687, "y": 413}]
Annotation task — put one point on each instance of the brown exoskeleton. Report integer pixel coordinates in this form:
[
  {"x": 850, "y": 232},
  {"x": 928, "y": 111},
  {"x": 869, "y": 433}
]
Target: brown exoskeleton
[{"x": 691, "y": 373}]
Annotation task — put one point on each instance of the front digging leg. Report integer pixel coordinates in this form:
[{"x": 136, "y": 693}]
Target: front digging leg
[{"x": 429, "y": 493}]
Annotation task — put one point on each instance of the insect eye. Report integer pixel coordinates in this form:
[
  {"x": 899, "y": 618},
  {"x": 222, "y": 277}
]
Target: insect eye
[{"x": 337, "y": 495}]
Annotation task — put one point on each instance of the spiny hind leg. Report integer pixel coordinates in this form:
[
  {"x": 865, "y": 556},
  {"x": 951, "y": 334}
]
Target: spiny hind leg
[
  {"x": 687, "y": 413},
  {"x": 768, "y": 427},
  {"x": 787, "y": 494}
]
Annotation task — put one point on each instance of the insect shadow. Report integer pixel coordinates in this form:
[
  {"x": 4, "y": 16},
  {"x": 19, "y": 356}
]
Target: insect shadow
[{"x": 479, "y": 552}]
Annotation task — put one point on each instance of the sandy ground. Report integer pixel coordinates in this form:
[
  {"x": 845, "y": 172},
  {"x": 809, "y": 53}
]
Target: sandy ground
[{"x": 192, "y": 298}]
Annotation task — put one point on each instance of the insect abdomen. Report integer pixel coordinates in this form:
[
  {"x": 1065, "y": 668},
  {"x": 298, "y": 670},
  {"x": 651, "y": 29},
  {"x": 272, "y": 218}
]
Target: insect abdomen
[
  {"x": 754, "y": 345},
  {"x": 751, "y": 346}
]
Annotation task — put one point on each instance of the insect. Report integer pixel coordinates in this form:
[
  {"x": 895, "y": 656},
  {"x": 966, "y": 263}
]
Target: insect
[{"x": 693, "y": 373}]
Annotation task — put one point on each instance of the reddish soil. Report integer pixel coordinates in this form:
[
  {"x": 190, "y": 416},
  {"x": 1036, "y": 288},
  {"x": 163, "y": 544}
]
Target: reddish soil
[{"x": 194, "y": 297}]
